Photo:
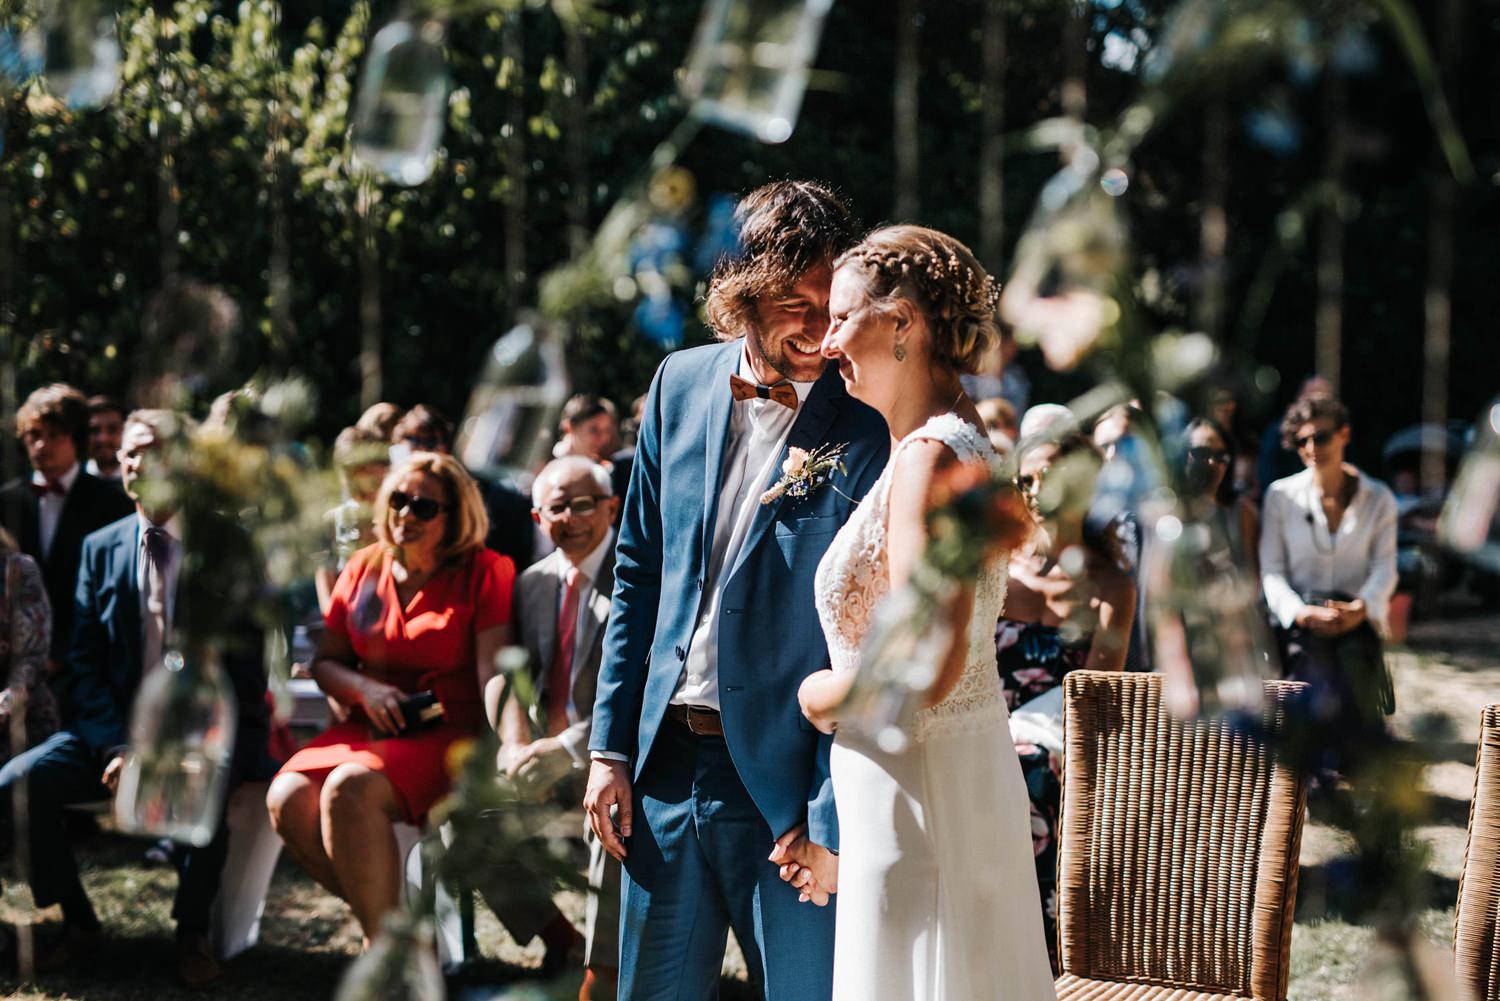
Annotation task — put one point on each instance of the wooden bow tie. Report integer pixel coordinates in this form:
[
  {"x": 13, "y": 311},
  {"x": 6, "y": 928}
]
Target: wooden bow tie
[{"x": 782, "y": 392}]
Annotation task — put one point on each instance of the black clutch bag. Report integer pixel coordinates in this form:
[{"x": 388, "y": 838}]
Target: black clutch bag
[{"x": 419, "y": 711}]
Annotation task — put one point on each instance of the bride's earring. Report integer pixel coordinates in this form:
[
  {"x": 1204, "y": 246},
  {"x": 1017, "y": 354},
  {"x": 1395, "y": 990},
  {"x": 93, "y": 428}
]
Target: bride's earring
[{"x": 900, "y": 352}]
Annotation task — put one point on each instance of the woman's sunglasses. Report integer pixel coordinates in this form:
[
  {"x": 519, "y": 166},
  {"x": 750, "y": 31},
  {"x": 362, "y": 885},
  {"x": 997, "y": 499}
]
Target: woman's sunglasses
[
  {"x": 1318, "y": 438},
  {"x": 421, "y": 508},
  {"x": 1215, "y": 456}
]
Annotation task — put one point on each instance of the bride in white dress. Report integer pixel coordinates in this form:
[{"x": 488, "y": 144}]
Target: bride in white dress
[{"x": 937, "y": 898}]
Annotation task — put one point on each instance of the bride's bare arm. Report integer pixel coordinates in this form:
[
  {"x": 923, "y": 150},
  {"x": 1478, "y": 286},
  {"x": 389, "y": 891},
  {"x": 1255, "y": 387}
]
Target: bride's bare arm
[
  {"x": 820, "y": 696},
  {"x": 918, "y": 465}
]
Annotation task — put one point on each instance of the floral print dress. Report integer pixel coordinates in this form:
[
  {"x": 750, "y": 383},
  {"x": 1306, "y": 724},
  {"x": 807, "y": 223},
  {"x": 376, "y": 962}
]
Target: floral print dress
[{"x": 1033, "y": 659}]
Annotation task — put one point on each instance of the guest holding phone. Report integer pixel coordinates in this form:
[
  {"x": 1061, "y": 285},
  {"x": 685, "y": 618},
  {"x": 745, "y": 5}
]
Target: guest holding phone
[{"x": 421, "y": 613}]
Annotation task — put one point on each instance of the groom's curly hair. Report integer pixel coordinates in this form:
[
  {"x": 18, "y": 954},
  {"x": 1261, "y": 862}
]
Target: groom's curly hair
[{"x": 785, "y": 228}]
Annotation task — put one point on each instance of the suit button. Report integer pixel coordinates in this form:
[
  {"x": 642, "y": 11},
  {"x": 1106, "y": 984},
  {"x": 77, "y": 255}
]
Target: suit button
[
  {"x": 681, "y": 654},
  {"x": 699, "y": 583}
]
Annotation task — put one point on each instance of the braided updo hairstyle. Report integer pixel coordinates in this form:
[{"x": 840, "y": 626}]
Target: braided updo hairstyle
[{"x": 942, "y": 278}]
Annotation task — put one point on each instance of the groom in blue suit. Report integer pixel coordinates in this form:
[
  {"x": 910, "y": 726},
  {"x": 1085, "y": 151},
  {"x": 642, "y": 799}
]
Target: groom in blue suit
[{"x": 702, "y": 761}]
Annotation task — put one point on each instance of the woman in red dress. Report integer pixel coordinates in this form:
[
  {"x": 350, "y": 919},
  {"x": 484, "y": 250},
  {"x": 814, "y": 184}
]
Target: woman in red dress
[{"x": 426, "y": 608}]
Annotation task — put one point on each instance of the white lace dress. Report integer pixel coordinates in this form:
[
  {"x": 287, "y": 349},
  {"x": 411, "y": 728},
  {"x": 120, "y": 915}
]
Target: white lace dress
[{"x": 938, "y": 898}]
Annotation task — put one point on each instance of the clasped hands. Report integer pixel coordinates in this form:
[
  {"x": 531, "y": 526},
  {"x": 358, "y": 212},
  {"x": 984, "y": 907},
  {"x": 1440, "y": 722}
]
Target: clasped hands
[
  {"x": 1333, "y": 618},
  {"x": 811, "y": 868}
]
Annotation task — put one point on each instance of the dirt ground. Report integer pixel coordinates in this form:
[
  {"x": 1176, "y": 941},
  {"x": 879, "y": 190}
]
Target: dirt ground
[{"x": 1447, "y": 671}]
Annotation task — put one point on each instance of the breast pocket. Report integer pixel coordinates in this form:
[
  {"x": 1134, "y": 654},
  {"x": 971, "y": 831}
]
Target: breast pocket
[{"x": 803, "y": 540}]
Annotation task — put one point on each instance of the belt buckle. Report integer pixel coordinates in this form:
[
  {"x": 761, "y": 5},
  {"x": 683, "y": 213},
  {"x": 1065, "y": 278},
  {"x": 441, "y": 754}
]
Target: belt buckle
[{"x": 692, "y": 723}]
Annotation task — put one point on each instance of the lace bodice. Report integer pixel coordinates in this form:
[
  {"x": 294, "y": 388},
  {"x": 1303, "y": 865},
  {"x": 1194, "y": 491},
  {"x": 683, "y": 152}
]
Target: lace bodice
[{"x": 854, "y": 576}]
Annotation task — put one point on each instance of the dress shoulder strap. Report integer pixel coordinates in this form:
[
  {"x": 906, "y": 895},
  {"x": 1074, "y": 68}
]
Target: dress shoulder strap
[{"x": 966, "y": 441}]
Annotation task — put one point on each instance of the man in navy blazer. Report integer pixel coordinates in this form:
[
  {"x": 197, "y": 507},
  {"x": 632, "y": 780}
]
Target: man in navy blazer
[
  {"x": 107, "y": 659},
  {"x": 51, "y": 511},
  {"x": 702, "y": 760}
]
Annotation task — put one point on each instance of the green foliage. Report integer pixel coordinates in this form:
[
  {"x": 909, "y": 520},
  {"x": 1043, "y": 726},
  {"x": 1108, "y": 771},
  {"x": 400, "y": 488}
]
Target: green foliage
[{"x": 251, "y": 102}]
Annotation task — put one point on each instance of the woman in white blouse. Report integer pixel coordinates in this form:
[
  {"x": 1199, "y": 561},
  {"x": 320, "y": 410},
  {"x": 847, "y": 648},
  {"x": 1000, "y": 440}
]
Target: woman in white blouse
[{"x": 1328, "y": 564}]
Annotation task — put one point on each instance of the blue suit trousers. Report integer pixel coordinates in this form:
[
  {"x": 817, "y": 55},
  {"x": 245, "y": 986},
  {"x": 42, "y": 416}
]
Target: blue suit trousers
[{"x": 697, "y": 866}]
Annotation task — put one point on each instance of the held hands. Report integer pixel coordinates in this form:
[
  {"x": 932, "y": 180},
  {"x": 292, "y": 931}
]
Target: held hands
[
  {"x": 811, "y": 868},
  {"x": 609, "y": 788}
]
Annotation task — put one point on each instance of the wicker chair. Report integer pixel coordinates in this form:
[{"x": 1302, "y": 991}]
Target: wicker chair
[
  {"x": 1476, "y": 925},
  {"x": 1177, "y": 876}
]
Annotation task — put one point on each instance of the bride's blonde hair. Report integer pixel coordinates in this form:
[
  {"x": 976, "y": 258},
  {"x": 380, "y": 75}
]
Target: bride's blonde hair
[{"x": 942, "y": 278}]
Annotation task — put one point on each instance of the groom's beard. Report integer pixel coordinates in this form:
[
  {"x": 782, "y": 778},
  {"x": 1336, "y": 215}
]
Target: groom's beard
[{"x": 778, "y": 361}]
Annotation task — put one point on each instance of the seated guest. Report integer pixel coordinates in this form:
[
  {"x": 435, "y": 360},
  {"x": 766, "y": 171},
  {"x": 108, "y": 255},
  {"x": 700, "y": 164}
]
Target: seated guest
[
  {"x": 1068, "y": 605},
  {"x": 589, "y": 427},
  {"x": 561, "y": 606},
  {"x": 380, "y": 418},
  {"x": 106, "y": 424},
  {"x": 50, "y": 512},
  {"x": 1206, "y": 462},
  {"x": 1328, "y": 570},
  {"x": 361, "y": 457},
  {"x": 426, "y": 609},
  {"x": 511, "y": 532},
  {"x": 127, "y": 594},
  {"x": 1000, "y": 423},
  {"x": 25, "y": 632}
]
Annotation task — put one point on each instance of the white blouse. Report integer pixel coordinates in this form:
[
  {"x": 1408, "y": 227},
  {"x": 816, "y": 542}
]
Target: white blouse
[{"x": 1298, "y": 555}]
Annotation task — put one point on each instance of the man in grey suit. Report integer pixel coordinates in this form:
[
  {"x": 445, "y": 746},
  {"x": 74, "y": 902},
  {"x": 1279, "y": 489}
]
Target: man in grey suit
[{"x": 561, "y": 606}]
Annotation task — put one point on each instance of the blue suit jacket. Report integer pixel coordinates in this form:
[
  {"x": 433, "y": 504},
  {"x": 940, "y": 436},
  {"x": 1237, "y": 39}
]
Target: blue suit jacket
[
  {"x": 104, "y": 658},
  {"x": 769, "y": 635}
]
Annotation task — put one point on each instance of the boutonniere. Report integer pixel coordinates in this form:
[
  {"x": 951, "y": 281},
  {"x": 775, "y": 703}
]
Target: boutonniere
[{"x": 804, "y": 471}]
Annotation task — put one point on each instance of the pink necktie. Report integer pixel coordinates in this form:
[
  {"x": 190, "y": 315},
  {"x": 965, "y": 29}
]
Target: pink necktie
[{"x": 560, "y": 678}]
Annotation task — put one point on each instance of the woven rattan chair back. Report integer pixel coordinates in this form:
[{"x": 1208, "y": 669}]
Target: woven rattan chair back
[
  {"x": 1179, "y": 844},
  {"x": 1476, "y": 925}
]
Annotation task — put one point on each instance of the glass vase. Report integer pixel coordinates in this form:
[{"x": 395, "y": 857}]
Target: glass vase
[
  {"x": 748, "y": 67},
  {"x": 513, "y": 410},
  {"x": 400, "y": 965},
  {"x": 403, "y": 95},
  {"x": 78, "y": 50},
  {"x": 1203, "y": 620},
  {"x": 1468, "y": 524},
  {"x": 182, "y": 731},
  {"x": 910, "y": 634}
]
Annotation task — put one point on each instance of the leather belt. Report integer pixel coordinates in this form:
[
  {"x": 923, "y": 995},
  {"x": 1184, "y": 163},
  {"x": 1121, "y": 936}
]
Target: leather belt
[{"x": 700, "y": 722}]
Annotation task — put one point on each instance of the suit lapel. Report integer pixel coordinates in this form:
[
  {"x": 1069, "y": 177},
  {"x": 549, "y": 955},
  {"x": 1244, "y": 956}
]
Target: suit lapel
[
  {"x": 817, "y": 413},
  {"x": 74, "y": 505},
  {"x": 544, "y": 605},
  {"x": 597, "y": 611},
  {"x": 720, "y": 405}
]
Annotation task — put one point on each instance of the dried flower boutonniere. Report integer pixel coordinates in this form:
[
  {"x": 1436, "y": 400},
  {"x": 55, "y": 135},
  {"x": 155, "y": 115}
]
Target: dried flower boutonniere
[{"x": 804, "y": 471}]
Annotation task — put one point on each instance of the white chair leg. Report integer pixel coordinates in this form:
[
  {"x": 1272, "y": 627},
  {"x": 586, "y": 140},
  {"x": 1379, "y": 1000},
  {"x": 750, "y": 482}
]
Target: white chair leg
[
  {"x": 446, "y": 918},
  {"x": 253, "y": 850}
]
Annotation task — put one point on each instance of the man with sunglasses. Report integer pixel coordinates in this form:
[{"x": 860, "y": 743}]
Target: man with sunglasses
[{"x": 561, "y": 606}]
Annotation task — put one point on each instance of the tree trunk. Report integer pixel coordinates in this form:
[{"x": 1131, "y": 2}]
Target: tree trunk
[
  {"x": 1213, "y": 223},
  {"x": 992, "y": 139},
  {"x": 1438, "y": 296},
  {"x": 904, "y": 127},
  {"x": 513, "y": 53},
  {"x": 1329, "y": 320}
]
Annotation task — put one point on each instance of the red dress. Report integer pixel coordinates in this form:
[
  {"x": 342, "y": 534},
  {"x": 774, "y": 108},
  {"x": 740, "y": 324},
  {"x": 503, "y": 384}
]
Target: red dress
[{"x": 429, "y": 644}]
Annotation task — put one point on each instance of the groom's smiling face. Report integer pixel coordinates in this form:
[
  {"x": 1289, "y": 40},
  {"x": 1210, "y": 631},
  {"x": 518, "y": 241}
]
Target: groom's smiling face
[{"x": 788, "y": 330}]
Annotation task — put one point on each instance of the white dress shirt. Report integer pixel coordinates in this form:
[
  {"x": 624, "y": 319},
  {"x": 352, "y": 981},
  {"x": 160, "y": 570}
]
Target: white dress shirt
[
  {"x": 92, "y": 468},
  {"x": 758, "y": 431},
  {"x": 1299, "y": 556},
  {"x": 49, "y": 506},
  {"x": 589, "y": 571}
]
